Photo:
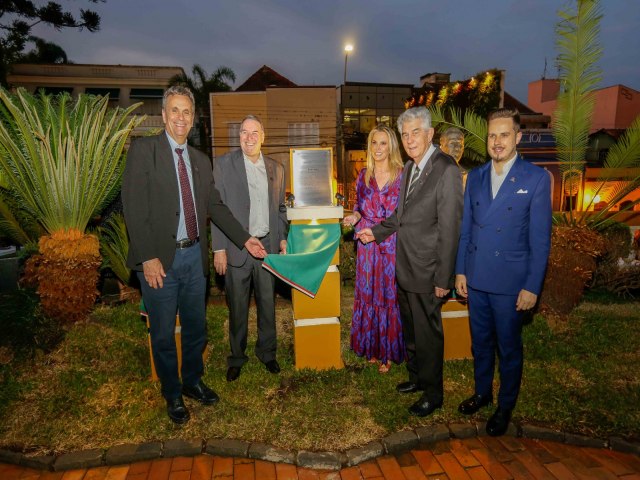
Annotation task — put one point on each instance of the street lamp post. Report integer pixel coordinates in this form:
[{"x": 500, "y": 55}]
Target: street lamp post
[{"x": 347, "y": 48}]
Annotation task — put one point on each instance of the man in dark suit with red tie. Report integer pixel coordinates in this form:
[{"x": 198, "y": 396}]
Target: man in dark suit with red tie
[
  {"x": 168, "y": 193},
  {"x": 427, "y": 220}
]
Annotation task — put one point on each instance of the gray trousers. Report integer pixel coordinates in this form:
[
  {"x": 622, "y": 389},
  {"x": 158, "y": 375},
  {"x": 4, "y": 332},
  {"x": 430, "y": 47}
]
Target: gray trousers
[{"x": 238, "y": 281}]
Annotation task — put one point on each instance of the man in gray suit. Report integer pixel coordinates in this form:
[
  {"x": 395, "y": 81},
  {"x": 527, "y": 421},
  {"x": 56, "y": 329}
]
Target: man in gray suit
[
  {"x": 427, "y": 220},
  {"x": 167, "y": 194},
  {"x": 253, "y": 187}
]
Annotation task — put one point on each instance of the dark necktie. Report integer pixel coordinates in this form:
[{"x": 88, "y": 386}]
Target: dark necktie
[
  {"x": 187, "y": 199},
  {"x": 414, "y": 179}
]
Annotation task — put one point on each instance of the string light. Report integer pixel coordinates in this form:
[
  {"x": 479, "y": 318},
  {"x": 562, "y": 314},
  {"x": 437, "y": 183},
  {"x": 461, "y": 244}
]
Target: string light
[{"x": 474, "y": 88}]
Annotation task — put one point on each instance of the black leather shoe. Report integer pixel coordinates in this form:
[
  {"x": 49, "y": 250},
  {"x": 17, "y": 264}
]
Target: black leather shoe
[
  {"x": 424, "y": 407},
  {"x": 408, "y": 387},
  {"x": 177, "y": 411},
  {"x": 273, "y": 366},
  {"x": 233, "y": 373},
  {"x": 201, "y": 392},
  {"x": 475, "y": 403},
  {"x": 499, "y": 422}
]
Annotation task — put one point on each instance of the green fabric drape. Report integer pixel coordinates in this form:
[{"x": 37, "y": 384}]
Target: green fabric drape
[{"x": 310, "y": 249}]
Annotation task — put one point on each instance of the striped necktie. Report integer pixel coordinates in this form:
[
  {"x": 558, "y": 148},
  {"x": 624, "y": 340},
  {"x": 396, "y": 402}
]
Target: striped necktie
[
  {"x": 187, "y": 199},
  {"x": 414, "y": 179}
]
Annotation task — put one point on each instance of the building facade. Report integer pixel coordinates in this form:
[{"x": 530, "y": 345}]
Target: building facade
[
  {"x": 293, "y": 117},
  {"x": 363, "y": 106},
  {"x": 125, "y": 85},
  {"x": 616, "y": 107}
]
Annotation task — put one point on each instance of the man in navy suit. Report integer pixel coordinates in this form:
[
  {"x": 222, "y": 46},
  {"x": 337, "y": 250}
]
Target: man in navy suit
[{"x": 502, "y": 257}]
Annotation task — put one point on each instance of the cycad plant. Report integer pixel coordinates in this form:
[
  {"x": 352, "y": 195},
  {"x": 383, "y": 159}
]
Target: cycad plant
[
  {"x": 62, "y": 162},
  {"x": 114, "y": 245},
  {"x": 16, "y": 224}
]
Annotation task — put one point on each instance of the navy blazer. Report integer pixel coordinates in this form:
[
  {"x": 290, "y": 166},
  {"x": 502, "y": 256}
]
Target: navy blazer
[{"x": 505, "y": 242}]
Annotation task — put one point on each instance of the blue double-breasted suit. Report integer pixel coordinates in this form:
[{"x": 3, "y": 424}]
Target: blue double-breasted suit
[{"x": 504, "y": 247}]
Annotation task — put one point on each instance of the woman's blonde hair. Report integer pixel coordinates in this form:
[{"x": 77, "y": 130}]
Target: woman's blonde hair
[{"x": 395, "y": 159}]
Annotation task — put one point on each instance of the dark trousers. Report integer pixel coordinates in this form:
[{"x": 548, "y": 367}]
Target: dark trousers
[
  {"x": 184, "y": 292},
  {"x": 238, "y": 282},
  {"x": 424, "y": 340},
  {"x": 496, "y": 327}
]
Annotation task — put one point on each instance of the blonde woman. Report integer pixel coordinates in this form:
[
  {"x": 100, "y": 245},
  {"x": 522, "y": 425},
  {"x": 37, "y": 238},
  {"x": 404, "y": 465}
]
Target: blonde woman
[{"x": 376, "y": 330}]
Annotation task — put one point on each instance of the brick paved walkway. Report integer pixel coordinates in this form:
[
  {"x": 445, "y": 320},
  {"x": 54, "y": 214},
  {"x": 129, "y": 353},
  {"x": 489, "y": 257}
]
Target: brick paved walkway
[{"x": 469, "y": 459}]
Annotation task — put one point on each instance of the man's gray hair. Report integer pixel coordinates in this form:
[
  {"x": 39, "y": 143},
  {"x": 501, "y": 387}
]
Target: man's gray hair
[
  {"x": 254, "y": 118},
  {"x": 415, "y": 113},
  {"x": 178, "y": 90}
]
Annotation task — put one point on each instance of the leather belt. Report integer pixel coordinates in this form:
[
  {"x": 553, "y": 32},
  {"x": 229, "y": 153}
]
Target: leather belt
[{"x": 186, "y": 243}]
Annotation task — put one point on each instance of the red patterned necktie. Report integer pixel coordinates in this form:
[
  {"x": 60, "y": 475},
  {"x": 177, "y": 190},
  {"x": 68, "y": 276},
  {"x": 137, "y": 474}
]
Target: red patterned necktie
[{"x": 187, "y": 199}]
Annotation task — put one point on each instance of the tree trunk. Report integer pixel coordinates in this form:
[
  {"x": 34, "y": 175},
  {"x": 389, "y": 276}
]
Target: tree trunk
[
  {"x": 572, "y": 262},
  {"x": 68, "y": 274}
]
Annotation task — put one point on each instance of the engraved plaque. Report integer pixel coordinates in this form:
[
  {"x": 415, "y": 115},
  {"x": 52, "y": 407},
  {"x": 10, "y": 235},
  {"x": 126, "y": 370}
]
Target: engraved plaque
[{"x": 311, "y": 176}]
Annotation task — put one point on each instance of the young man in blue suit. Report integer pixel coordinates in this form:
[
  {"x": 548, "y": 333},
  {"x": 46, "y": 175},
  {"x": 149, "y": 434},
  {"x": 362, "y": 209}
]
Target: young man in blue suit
[{"x": 502, "y": 257}]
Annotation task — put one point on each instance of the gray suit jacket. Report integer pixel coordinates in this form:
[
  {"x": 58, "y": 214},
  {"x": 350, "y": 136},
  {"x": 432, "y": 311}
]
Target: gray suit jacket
[
  {"x": 151, "y": 201},
  {"x": 231, "y": 179},
  {"x": 428, "y": 225}
]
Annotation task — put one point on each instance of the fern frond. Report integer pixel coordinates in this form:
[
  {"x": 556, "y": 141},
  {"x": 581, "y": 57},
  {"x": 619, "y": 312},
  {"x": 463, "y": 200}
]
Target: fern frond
[{"x": 62, "y": 159}]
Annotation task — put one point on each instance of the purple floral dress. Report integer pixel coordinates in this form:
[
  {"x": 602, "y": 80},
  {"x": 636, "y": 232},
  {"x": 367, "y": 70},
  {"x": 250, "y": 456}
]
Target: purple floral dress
[{"x": 376, "y": 330}]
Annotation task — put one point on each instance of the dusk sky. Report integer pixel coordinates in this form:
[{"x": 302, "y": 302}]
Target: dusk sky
[{"x": 395, "y": 41}]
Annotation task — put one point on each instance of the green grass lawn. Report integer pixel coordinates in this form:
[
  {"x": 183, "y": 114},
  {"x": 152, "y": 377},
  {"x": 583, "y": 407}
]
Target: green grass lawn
[{"x": 93, "y": 390}]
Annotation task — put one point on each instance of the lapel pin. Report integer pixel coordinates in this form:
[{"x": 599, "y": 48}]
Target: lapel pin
[{"x": 512, "y": 179}]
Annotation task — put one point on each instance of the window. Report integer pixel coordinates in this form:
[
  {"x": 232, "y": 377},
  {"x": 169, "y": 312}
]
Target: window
[
  {"x": 304, "y": 134},
  {"x": 152, "y": 98},
  {"x": 234, "y": 134},
  {"x": 114, "y": 93},
  {"x": 146, "y": 93}
]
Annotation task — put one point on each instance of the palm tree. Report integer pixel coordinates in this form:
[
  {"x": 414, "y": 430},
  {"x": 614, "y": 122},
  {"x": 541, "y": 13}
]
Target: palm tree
[
  {"x": 202, "y": 84},
  {"x": 577, "y": 41},
  {"x": 576, "y": 243},
  {"x": 579, "y": 51},
  {"x": 61, "y": 162}
]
